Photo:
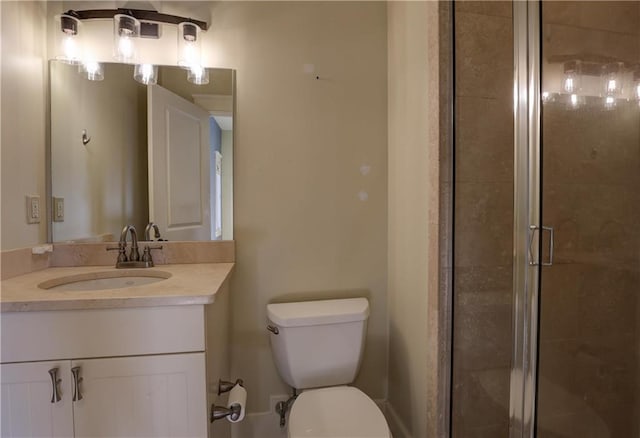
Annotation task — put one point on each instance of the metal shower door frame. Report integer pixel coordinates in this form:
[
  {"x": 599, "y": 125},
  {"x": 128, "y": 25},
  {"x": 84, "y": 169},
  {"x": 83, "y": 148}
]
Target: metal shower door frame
[{"x": 527, "y": 218}]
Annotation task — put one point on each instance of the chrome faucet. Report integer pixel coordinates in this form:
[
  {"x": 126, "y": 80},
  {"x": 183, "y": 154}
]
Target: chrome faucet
[
  {"x": 147, "y": 231},
  {"x": 134, "y": 256},
  {"x": 133, "y": 260}
]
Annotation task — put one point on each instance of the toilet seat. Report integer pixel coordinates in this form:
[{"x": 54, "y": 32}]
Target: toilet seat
[{"x": 336, "y": 412}]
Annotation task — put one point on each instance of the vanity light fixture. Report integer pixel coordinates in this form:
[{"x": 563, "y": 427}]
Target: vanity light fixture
[
  {"x": 189, "y": 45},
  {"x": 128, "y": 26},
  {"x": 126, "y": 30},
  {"x": 69, "y": 39}
]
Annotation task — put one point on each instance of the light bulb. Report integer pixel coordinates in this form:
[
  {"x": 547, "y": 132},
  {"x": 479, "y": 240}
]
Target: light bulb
[
  {"x": 126, "y": 29},
  {"x": 189, "y": 45},
  {"x": 69, "y": 50},
  {"x": 569, "y": 84},
  {"x": 146, "y": 73},
  {"x": 125, "y": 47},
  {"x": 571, "y": 81}
]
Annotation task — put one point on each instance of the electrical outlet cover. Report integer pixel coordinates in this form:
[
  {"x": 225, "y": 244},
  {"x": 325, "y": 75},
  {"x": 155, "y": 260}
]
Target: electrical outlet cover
[
  {"x": 58, "y": 209},
  {"x": 33, "y": 209}
]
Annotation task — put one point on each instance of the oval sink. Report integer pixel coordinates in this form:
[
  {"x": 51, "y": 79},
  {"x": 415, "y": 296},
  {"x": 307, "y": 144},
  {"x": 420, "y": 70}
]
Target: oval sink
[{"x": 116, "y": 279}]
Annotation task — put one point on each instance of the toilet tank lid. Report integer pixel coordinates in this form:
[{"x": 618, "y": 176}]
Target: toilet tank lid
[{"x": 318, "y": 312}]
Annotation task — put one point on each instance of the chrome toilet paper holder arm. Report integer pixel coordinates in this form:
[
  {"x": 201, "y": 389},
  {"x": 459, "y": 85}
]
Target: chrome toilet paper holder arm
[
  {"x": 226, "y": 386},
  {"x": 220, "y": 412}
]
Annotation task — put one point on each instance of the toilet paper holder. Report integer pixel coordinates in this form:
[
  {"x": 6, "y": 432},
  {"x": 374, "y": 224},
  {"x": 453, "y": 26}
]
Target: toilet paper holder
[
  {"x": 226, "y": 386},
  {"x": 234, "y": 411},
  {"x": 220, "y": 412}
]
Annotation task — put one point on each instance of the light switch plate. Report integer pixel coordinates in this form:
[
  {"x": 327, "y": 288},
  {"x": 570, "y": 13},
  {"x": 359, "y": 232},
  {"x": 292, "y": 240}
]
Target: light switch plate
[
  {"x": 58, "y": 209},
  {"x": 33, "y": 209}
]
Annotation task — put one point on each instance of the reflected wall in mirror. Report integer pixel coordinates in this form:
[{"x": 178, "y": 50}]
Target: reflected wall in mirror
[{"x": 126, "y": 153}]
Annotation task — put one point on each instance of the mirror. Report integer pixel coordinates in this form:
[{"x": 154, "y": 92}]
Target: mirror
[{"x": 126, "y": 153}]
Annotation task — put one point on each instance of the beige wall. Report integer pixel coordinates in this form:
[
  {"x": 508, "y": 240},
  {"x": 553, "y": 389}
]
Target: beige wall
[
  {"x": 300, "y": 227},
  {"x": 23, "y": 97},
  {"x": 413, "y": 217},
  {"x": 310, "y": 165}
]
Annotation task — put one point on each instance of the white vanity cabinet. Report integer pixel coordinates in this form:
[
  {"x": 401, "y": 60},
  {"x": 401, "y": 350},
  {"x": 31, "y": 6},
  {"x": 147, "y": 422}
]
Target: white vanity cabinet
[
  {"x": 27, "y": 407},
  {"x": 146, "y": 371},
  {"x": 154, "y": 396}
]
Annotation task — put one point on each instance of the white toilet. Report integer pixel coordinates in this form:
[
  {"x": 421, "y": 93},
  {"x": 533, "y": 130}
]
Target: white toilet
[{"x": 318, "y": 346}]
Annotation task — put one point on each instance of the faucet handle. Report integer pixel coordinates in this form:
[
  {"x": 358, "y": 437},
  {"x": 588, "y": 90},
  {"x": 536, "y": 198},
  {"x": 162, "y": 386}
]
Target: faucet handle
[
  {"x": 146, "y": 254},
  {"x": 122, "y": 254}
]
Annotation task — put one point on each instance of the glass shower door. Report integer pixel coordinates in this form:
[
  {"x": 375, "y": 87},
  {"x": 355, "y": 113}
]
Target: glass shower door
[{"x": 588, "y": 379}]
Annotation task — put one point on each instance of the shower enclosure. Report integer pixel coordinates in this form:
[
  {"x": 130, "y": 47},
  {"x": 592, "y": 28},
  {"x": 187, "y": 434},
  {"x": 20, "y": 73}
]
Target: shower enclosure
[{"x": 546, "y": 277}]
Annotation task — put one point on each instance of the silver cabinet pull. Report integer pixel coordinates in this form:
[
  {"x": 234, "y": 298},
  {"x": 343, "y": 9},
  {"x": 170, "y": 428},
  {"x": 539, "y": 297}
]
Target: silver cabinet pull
[
  {"x": 550, "y": 230},
  {"x": 55, "y": 393},
  {"x": 77, "y": 395}
]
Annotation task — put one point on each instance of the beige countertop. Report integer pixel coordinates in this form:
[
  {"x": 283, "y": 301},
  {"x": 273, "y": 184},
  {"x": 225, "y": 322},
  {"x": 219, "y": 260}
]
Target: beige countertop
[{"x": 193, "y": 283}]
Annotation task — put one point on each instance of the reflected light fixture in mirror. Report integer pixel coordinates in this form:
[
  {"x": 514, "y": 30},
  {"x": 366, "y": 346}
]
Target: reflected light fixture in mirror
[
  {"x": 198, "y": 75},
  {"x": 92, "y": 70},
  {"x": 146, "y": 73},
  {"x": 572, "y": 77}
]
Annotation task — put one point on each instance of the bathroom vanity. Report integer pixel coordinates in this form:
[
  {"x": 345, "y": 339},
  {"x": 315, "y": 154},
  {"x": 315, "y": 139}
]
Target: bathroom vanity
[{"x": 140, "y": 360}]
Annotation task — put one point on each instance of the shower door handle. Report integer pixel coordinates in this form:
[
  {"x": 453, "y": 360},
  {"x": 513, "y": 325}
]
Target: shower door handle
[
  {"x": 532, "y": 258},
  {"x": 551, "y": 244}
]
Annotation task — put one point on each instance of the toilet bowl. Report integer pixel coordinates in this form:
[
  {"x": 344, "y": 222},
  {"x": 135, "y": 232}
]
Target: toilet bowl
[
  {"x": 336, "y": 412},
  {"x": 318, "y": 348}
]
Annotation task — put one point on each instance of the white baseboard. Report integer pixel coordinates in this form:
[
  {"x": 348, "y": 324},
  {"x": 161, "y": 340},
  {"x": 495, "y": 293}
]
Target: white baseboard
[
  {"x": 267, "y": 424},
  {"x": 398, "y": 429}
]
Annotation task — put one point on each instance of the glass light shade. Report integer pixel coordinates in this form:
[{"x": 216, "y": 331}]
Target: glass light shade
[
  {"x": 146, "y": 73},
  {"x": 68, "y": 42},
  {"x": 92, "y": 70},
  {"x": 572, "y": 79},
  {"x": 612, "y": 79},
  {"x": 198, "y": 75},
  {"x": 189, "y": 45},
  {"x": 126, "y": 30}
]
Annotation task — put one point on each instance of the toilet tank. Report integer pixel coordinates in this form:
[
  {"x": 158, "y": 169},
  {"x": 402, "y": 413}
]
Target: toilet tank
[{"x": 318, "y": 343}]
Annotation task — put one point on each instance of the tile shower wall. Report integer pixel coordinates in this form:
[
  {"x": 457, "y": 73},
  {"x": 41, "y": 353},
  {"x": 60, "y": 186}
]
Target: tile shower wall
[
  {"x": 483, "y": 218},
  {"x": 588, "y": 370}
]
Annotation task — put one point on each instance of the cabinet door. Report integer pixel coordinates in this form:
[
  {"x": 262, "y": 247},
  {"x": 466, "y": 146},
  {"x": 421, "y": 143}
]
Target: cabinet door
[
  {"x": 27, "y": 407},
  {"x": 142, "y": 396}
]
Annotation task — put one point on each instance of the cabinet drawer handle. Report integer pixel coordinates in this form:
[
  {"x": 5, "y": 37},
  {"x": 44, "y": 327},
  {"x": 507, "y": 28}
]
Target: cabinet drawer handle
[
  {"x": 55, "y": 396},
  {"x": 77, "y": 395}
]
